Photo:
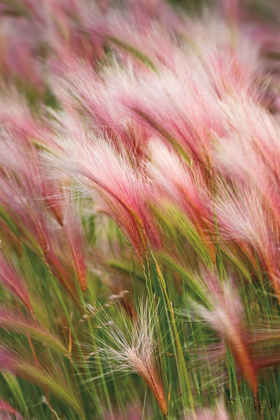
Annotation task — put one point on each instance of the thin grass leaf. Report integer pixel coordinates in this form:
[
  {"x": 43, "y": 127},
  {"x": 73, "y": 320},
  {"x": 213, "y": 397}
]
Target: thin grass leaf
[{"x": 23, "y": 325}]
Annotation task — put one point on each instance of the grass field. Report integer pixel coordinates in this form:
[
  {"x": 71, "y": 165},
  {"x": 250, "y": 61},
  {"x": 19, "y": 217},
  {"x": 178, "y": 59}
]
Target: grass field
[{"x": 139, "y": 210}]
